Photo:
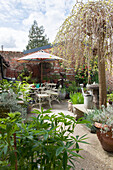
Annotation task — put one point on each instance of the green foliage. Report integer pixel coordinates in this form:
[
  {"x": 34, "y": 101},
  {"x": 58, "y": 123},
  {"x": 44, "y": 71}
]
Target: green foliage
[
  {"x": 5, "y": 85},
  {"x": 12, "y": 94},
  {"x": 36, "y": 37},
  {"x": 76, "y": 98},
  {"x": 63, "y": 90},
  {"x": 81, "y": 76},
  {"x": 110, "y": 97},
  {"x": 88, "y": 39},
  {"x": 17, "y": 87},
  {"x": 103, "y": 115},
  {"x": 72, "y": 88},
  {"x": 25, "y": 75},
  {"x": 8, "y": 127},
  {"x": 9, "y": 103},
  {"x": 45, "y": 141}
]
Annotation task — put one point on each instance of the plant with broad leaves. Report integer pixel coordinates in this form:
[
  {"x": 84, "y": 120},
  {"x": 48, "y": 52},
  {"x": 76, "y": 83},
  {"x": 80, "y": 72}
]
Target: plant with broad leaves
[{"x": 43, "y": 142}]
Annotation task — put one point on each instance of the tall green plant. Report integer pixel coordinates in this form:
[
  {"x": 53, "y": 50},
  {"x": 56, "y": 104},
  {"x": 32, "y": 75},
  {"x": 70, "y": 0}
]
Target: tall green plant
[
  {"x": 8, "y": 127},
  {"x": 43, "y": 142},
  {"x": 76, "y": 98}
]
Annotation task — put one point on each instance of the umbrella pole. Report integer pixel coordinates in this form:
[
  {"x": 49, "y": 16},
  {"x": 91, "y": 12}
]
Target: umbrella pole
[{"x": 41, "y": 73}]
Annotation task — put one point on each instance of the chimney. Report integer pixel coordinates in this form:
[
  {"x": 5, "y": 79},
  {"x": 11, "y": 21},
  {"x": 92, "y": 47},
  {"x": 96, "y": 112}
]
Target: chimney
[{"x": 2, "y": 47}]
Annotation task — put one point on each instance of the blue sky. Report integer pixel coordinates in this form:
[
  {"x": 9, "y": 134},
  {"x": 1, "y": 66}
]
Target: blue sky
[{"x": 17, "y": 17}]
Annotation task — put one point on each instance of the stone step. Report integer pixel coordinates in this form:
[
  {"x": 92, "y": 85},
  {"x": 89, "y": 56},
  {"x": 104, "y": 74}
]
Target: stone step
[{"x": 79, "y": 110}]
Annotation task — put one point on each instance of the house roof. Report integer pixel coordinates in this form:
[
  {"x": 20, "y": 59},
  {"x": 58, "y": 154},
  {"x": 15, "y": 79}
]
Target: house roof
[{"x": 38, "y": 49}]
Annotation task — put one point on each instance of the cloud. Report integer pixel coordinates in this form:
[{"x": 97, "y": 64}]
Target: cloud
[
  {"x": 17, "y": 17},
  {"x": 13, "y": 40},
  {"x": 54, "y": 14}
]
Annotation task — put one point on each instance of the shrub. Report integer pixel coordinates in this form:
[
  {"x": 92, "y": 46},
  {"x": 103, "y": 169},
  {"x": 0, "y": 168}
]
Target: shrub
[
  {"x": 45, "y": 141},
  {"x": 72, "y": 88},
  {"x": 76, "y": 98}
]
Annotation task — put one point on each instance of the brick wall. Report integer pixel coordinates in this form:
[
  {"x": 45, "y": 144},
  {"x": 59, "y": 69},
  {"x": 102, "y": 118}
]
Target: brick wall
[
  {"x": 12, "y": 57},
  {"x": 15, "y": 66}
]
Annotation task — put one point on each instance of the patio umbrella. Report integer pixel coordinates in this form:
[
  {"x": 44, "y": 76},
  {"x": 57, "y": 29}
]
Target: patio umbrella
[{"x": 39, "y": 57}]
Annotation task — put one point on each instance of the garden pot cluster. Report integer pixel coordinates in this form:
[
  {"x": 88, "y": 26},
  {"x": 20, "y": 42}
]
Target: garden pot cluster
[
  {"x": 105, "y": 137},
  {"x": 102, "y": 120}
]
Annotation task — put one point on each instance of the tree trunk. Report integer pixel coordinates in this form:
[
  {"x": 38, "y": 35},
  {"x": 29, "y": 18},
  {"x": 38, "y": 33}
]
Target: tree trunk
[{"x": 102, "y": 75}]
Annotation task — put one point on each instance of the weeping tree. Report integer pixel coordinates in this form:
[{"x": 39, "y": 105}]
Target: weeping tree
[{"x": 86, "y": 36}]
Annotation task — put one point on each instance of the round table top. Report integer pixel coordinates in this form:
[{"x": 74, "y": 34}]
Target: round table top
[
  {"x": 42, "y": 95},
  {"x": 51, "y": 84}
]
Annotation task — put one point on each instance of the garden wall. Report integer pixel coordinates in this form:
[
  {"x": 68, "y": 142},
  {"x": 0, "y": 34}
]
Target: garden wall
[{"x": 12, "y": 57}]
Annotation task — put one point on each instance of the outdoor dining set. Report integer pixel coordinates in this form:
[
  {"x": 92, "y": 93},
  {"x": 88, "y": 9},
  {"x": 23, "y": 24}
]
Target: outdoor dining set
[{"x": 46, "y": 92}]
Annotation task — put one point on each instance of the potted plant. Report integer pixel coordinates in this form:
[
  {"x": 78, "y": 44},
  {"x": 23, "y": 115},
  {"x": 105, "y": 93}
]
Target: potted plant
[
  {"x": 62, "y": 93},
  {"x": 102, "y": 119}
]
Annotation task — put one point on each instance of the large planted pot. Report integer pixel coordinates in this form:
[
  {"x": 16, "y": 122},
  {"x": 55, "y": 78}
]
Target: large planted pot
[{"x": 105, "y": 137}]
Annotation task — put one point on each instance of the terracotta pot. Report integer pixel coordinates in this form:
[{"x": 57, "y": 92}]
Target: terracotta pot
[
  {"x": 105, "y": 138},
  {"x": 99, "y": 125}
]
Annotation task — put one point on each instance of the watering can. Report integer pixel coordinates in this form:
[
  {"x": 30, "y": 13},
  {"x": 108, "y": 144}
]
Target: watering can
[{"x": 88, "y": 98}]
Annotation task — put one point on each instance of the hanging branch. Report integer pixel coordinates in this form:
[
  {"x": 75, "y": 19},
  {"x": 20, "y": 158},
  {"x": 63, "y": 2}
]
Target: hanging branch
[{"x": 89, "y": 24}]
